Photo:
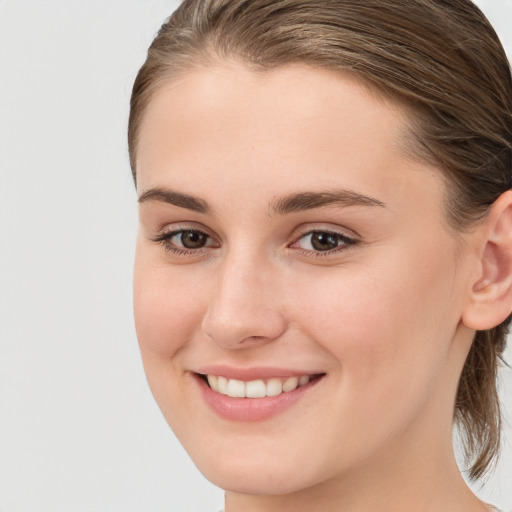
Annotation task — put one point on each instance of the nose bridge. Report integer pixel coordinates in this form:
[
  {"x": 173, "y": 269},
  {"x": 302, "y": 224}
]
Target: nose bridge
[{"x": 243, "y": 306}]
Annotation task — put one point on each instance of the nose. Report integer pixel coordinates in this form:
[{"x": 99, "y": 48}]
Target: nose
[{"x": 244, "y": 309}]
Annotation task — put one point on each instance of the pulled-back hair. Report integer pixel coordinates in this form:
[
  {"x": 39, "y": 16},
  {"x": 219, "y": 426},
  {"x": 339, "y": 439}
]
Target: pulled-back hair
[{"x": 440, "y": 59}]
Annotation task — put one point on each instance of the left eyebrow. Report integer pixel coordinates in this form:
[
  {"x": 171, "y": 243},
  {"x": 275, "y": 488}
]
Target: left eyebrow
[{"x": 310, "y": 200}]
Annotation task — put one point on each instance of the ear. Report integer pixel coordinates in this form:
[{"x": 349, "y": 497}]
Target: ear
[{"x": 491, "y": 293}]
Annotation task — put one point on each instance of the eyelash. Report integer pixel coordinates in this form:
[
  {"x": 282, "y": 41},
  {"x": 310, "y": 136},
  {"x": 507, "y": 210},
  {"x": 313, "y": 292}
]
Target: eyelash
[{"x": 345, "y": 242}]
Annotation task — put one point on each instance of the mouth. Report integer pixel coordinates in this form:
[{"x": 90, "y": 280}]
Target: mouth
[
  {"x": 259, "y": 388},
  {"x": 254, "y": 400}
]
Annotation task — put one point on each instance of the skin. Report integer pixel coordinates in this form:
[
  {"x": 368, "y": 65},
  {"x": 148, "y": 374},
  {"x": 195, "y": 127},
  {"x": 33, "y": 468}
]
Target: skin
[{"x": 389, "y": 320}]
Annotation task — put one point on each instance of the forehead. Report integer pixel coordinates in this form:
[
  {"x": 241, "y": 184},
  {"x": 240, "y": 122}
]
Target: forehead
[
  {"x": 284, "y": 95},
  {"x": 292, "y": 127}
]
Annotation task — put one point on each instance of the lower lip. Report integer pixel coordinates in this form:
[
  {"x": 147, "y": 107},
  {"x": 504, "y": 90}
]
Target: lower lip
[{"x": 251, "y": 409}]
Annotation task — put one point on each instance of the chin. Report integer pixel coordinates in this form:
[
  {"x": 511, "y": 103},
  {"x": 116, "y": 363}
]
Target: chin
[
  {"x": 258, "y": 471},
  {"x": 256, "y": 481}
]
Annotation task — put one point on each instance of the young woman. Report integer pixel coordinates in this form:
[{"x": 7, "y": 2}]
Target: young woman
[{"x": 323, "y": 278}]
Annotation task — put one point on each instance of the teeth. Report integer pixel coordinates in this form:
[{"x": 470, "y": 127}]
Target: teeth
[
  {"x": 274, "y": 387},
  {"x": 290, "y": 384},
  {"x": 236, "y": 388},
  {"x": 213, "y": 381},
  {"x": 222, "y": 385},
  {"x": 303, "y": 380},
  {"x": 255, "y": 388}
]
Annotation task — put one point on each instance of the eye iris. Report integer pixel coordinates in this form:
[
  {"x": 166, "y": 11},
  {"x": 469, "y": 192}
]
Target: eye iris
[
  {"x": 322, "y": 241},
  {"x": 193, "y": 239}
]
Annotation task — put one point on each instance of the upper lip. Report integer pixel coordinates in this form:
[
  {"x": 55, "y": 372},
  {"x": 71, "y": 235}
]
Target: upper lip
[{"x": 252, "y": 373}]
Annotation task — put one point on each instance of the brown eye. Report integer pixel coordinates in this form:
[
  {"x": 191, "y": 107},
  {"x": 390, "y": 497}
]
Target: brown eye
[
  {"x": 321, "y": 241},
  {"x": 324, "y": 241},
  {"x": 186, "y": 241},
  {"x": 192, "y": 239}
]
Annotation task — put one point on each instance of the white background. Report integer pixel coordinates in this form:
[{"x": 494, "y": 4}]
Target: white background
[{"x": 79, "y": 431}]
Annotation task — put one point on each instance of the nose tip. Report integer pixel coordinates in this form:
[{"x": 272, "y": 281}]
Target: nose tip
[
  {"x": 243, "y": 311},
  {"x": 242, "y": 331}
]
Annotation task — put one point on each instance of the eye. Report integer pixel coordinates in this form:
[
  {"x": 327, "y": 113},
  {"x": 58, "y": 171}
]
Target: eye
[
  {"x": 185, "y": 241},
  {"x": 190, "y": 239},
  {"x": 323, "y": 241}
]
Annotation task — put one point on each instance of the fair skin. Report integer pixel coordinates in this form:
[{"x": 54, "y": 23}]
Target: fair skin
[{"x": 367, "y": 291}]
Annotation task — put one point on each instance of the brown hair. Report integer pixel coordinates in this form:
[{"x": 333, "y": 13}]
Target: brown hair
[{"x": 439, "y": 58}]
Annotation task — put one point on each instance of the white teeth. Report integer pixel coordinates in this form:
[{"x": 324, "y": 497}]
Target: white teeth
[
  {"x": 222, "y": 385},
  {"x": 274, "y": 387},
  {"x": 290, "y": 384},
  {"x": 255, "y": 388},
  {"x": 236, "y": 388}
]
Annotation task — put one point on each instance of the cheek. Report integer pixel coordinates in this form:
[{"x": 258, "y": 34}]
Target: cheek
[
  {"x": 167, "y": 309},
  {"x": 167, "y": 306},
  {"x": 376, "y": 320}
]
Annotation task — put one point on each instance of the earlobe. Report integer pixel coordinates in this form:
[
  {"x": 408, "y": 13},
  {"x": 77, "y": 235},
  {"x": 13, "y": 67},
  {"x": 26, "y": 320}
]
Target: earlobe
[{"x": 491, "y": 294}]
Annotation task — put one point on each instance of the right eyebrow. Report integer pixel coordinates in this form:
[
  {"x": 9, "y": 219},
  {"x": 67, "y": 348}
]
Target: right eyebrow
[{"x": 166, "y": 195}]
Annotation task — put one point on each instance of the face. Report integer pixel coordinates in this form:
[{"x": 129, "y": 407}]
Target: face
[{"x": 292, "y": 254}]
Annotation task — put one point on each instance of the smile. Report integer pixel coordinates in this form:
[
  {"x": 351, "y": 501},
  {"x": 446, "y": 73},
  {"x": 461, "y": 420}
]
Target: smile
[
  {"x": 253, "y": 394},
  {"x": 256, "y": 388},
  {"x": 256, "y": 399}
]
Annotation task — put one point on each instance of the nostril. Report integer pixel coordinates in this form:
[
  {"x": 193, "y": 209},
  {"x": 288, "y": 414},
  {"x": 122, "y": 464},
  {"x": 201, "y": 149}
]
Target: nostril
[{"x": 252, "y": 339}]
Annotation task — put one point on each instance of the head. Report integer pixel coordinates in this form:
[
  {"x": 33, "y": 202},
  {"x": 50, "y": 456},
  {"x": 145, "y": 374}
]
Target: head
[{"x": 451, "y": 93}]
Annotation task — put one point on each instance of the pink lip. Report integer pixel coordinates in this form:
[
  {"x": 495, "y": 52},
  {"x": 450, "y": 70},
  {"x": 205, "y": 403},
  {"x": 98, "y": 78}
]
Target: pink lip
[{"x": 251, "y": 409}]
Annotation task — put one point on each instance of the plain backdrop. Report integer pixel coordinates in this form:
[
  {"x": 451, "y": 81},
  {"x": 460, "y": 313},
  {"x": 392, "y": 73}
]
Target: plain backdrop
[{"x": 79, "y": 431}]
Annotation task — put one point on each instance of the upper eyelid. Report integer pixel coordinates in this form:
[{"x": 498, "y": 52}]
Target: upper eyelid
[
  {"x": 176, "y": 227},
  {"x": 330, "y": 231},
  {"x": 302, "y": 230}
]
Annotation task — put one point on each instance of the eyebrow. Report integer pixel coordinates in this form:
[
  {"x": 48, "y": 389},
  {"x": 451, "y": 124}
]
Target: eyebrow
[
  {"x": 295, "y": 202},
  {"x": 310, "y": 200},
  {"x": 165, "y": 195}
]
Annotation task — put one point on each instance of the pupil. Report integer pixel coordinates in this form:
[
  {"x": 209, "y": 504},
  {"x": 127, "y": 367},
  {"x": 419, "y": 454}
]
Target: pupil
[
  {"x": 193, "y": 239},
  {"x": 324, "y": 241}
]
